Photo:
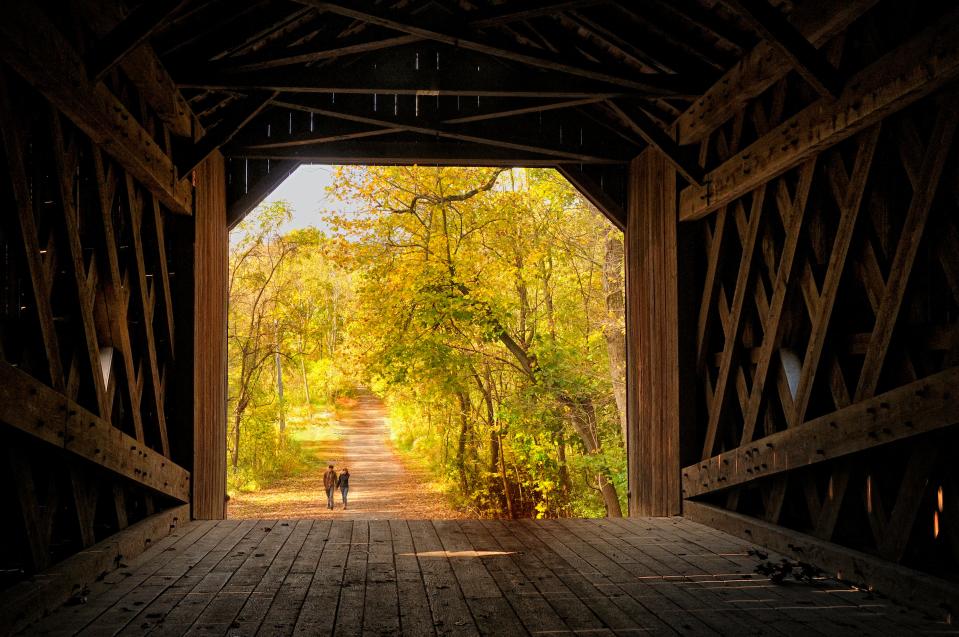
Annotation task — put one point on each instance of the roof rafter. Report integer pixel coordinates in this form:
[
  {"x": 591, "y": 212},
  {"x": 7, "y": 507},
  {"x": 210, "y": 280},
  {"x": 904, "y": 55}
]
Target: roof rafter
[
  {"x": 777, "y": 30},
  {"x": 465, "y": 39},
  {"x": 129, "y": 34},
  {"x": 442, "y": 131},
  {"x": 645, "y": 127}
]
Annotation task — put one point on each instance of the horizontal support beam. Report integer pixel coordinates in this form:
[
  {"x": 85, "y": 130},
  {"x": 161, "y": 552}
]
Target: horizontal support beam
[
  {"x": 816, "y": 20},
  {"x": 399, "y": 153},
  {"x": 44, "y": 592},
  {"x": 310, "y": 53},
  {"x": 898, "y": 79},
  {"x": 662, "y": 85},
  {"x": 47, "y": 415},
  {"x": 517, "y": 11},
  {"x": 509, "y": 139},
  {"x": 920, "y": 407},
  {"x": 913, "y": 588},
  {"x": 36, "y": 50},
  {"x": 453, "y": 79}
]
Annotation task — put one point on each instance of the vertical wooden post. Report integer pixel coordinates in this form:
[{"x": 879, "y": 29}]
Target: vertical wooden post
[
  {"x": 652, "y": 334},
  {"x": 211, "y": 253}
]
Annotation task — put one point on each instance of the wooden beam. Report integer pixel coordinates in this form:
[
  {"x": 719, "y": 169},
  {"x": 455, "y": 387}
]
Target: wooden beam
[
  {"x": 44, "y": 592},
  {"x": 913, "y": 588},
  {"x": 904, "y": 75},
  {"x": 50, "y": 416},
  {"x": 816, "y": 20},
  {"x": 652, "y": 338},
  {"x": 35, "y": 49},
  {"x": 508, "y": 140},
  {"x": 927, "y": 185},
  {"x": 279, "y": 171},
  {"x": 143, "y": 68},
  {"x": 663, "y": 85},
  {"x": 525, "y": 110},
  {"x": 645, "y": 127},
  {"x": 770, "y": 24},
  {"x": 848, "y": 196},
  {"x": 135, "y": 29},
  {"x": 426, "y": 82},
  {"x": 922, "y": 406},
  {"x": 239, "y": 115},
  {"x": 594, "y": 193},
  {"x": 310, "y": 53},
  {"x": 211, "y": 272},
  {"x": 520, "y": 11},
  {"x": 389, "y": 153}
]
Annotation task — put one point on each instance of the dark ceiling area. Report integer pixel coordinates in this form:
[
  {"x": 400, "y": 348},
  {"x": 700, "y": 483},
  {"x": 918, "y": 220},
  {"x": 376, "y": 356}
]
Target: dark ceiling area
[{"x": 580, "y": 85}]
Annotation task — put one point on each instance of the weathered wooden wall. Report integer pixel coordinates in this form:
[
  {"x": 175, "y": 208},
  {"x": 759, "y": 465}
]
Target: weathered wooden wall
[
  {"x": 88, "y": 339},
  {"x": 210, "y": 346},
  {"x": 827, "y": 336}
]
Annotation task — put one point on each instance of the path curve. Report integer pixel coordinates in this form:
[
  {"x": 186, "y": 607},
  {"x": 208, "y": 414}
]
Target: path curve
[{"x": 382, "y": 486}]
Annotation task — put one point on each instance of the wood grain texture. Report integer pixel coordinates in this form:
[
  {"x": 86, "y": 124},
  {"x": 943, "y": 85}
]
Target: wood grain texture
[
  {"x": 50, "y": 416},
  {"x": 923, "y": 406},
  {"x": 652, "y": 337},
  {"x": 899, "y": 78},
  {"x": 30, "y": 600},
  {"x": 209, "y": 337},
  {"x": 532, "y": 577},
  {"x": 935, "y": 596}
]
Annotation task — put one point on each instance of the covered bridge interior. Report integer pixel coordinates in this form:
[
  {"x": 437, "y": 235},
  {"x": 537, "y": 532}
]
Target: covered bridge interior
[{"x": 786, "y": 176}]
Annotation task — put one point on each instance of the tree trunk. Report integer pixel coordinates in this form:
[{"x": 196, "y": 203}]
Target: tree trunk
[
  {"x": 581, "y": 416},
  {"x": 279, "y": 391},
  {"x": 564, "y": 481},
  {"x": 461, "y": 448},
  {"x": 306, "y": 389},
  {"x": 506, "y": 491},
  {"x": 614, "y": 327},
  {"x": 237, "y": 417}
]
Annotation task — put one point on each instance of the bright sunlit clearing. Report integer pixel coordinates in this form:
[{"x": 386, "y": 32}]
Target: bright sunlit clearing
[{"x": 458, "y": 554}]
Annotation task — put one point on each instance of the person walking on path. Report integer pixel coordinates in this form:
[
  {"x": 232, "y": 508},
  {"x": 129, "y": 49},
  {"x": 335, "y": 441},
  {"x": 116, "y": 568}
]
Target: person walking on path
[
  {"x": 330, "y": 481},
  {"x": 344, "y": 482}
]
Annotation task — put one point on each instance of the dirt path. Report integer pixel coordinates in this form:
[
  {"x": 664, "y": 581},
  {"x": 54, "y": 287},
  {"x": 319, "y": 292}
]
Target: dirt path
[{"x": 381, "y": 486}]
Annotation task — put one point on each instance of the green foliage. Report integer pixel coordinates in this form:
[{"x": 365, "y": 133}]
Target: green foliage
[{"x": 480, "y": 303}]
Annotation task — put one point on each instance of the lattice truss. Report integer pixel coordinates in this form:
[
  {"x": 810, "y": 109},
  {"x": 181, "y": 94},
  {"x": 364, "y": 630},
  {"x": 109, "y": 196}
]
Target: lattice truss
[
  {"x": 87, "y": 334},
  {"x": 827, "y": 336}
]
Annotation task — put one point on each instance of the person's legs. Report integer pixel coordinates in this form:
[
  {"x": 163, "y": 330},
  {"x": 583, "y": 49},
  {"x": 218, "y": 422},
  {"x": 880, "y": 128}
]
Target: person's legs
[
  {"x": 329, "y": 499},
  {"x": 344, "y": 490}
]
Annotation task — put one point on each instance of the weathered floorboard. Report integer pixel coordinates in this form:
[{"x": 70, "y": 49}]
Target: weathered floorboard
[{"x": 659, "y": 576}]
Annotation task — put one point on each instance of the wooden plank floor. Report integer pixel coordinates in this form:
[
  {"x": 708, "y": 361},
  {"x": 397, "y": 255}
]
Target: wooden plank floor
[{"x": 458, "y": 577}]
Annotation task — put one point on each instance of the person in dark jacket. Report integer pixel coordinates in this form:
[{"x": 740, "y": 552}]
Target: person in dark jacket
[
  {"x": 330, "y": 482},
  {"x": 344, "y": 481}
]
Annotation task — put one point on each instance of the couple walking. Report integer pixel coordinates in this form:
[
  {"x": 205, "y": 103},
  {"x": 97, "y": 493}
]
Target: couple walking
[{"x": 331, "y": 481}]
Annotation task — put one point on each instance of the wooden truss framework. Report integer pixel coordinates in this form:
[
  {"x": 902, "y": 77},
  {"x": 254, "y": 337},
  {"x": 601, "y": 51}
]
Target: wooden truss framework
[
  {"x": 817, "y": 218},
  {"x": 827, "y": 336},
  {"x": 91, "y": 341}
]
